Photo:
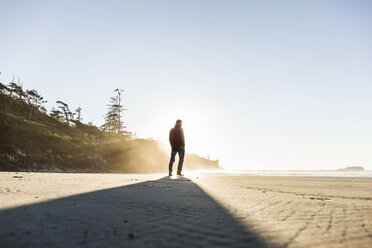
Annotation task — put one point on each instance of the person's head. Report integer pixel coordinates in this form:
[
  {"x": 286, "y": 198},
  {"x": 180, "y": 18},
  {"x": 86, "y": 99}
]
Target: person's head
[{"x": 178, "y": 123}]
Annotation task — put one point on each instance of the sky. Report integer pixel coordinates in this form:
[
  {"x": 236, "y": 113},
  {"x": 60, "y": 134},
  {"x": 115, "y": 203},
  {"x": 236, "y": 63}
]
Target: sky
[{"x": 258, "y": 84}]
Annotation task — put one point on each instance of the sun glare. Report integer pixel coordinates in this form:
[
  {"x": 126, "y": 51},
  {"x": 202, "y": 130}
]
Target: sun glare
[{"x": 196, "y": 125}]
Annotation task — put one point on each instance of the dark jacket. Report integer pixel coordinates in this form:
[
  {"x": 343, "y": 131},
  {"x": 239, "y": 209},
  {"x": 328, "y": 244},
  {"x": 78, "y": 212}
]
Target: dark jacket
[{"x": 176, "y": 137}]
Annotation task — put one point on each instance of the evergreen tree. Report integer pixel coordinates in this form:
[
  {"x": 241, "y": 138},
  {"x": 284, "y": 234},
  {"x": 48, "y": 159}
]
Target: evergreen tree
[
  {"x": 55, "y": 113},
  {"x": 113, "y": 118},
  {"x": 11, "y": 89},
  {"x": 35, "y": 100},
  {"x": 78, "y": 114},
  {"x": 66, "y": 113}
]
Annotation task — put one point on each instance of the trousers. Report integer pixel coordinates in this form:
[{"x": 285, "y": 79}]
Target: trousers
[{"x": 181, "y": 154}]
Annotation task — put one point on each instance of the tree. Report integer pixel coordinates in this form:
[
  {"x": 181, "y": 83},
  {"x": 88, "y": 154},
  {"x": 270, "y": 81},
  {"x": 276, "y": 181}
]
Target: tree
[
  {"x": 67, "y": 114},
  {"x": 113, "y": 122},
  {"x": 35, "y": 100},
  {"x": 11, "y": 89},
  {"x": 55, "y": 113},
  {"x": 16, "y": 89},
  {"x": 3, "y": 89},
  {"x": 119, "y": 107},
  {"x": 78, "y": 114},
  {"x": 92, "y": 131}
]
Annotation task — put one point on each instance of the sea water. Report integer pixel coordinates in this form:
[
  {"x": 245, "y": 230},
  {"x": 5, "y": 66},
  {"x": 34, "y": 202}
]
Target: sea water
[{"x": 297, "y": 173}]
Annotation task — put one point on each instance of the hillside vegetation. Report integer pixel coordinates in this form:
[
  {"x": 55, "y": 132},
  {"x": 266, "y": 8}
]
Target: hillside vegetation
[{"x": 33, "y": 140}]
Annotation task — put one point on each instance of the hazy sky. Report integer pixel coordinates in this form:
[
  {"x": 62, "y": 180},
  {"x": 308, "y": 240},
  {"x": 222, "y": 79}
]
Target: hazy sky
[{"x": 258, "y": 84}]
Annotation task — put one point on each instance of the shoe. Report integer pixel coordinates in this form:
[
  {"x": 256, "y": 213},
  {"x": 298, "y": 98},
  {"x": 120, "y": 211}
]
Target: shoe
[
  {"x": 180, "y": 174},
  {"x": 170, "y": 174}
]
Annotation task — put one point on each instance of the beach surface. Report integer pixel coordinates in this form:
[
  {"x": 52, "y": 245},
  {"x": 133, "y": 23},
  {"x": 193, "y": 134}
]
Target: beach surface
[{"x": 199, "y": 210}]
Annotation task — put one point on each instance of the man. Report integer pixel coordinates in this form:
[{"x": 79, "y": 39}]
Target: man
[{"x": 177, "y": 142}]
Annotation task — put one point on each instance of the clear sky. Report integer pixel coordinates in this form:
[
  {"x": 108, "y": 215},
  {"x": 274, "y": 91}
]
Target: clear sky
[{"x": 258, "y": 84}]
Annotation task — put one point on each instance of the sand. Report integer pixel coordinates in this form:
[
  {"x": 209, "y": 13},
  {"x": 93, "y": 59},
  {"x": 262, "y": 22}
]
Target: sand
[{"x": 133, "y": 210}]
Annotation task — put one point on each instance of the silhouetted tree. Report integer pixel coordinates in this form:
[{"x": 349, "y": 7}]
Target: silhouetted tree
[
  {"x": 119, "y": 108},
  {"x": 4, "y": 89},
  {"x": 55, "y": 113},
  {"x": 113, "y": 122},
  {"x": 35, "y": 100},
  {"x": 19, "y": 90},
  {"x": 67, "y": 114},
  {"x": 11, "y": 89},
  {"x": 16, "y": 89},
  {"x": 78, "y": 114}
]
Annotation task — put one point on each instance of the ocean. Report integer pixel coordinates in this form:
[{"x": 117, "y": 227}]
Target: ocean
[{"x": 297, "y": 173}]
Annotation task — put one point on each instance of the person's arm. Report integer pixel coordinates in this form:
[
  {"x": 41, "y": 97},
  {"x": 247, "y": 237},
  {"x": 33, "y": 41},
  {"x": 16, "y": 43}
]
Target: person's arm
[{"x": 183, "y": 138}]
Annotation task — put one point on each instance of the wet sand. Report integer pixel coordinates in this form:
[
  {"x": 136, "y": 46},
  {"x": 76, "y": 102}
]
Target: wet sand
[{"x": 132, "y": 210}]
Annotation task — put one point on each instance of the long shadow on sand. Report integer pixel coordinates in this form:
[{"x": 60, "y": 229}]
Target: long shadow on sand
[{"x": 161, "y": 213}]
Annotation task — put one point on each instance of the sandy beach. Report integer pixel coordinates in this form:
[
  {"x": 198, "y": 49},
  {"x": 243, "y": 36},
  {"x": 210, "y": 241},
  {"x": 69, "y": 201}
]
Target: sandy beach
[{"x": 200, "y": 210}]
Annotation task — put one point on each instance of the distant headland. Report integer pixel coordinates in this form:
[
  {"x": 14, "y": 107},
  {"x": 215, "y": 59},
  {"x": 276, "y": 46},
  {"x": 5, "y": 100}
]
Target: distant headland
[{"x": 352, "y": 168}]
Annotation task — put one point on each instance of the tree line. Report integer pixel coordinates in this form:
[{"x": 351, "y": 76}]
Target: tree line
[{"x": 33, "y": 101}]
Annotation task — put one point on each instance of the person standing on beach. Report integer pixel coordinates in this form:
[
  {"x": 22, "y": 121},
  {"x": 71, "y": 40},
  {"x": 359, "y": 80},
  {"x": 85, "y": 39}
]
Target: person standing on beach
[{"x": 177, "y": 142}]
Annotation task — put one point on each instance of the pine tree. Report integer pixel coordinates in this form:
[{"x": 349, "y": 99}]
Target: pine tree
[
  {"x": 78, "y": 114},
  {"x": 113, "y": 118},
  {"x": 67, "y": 114},
  {"x": 35, "y": 100},
  {"x": 56, "y": 114},
  {"x": 11, "y": 89}
]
